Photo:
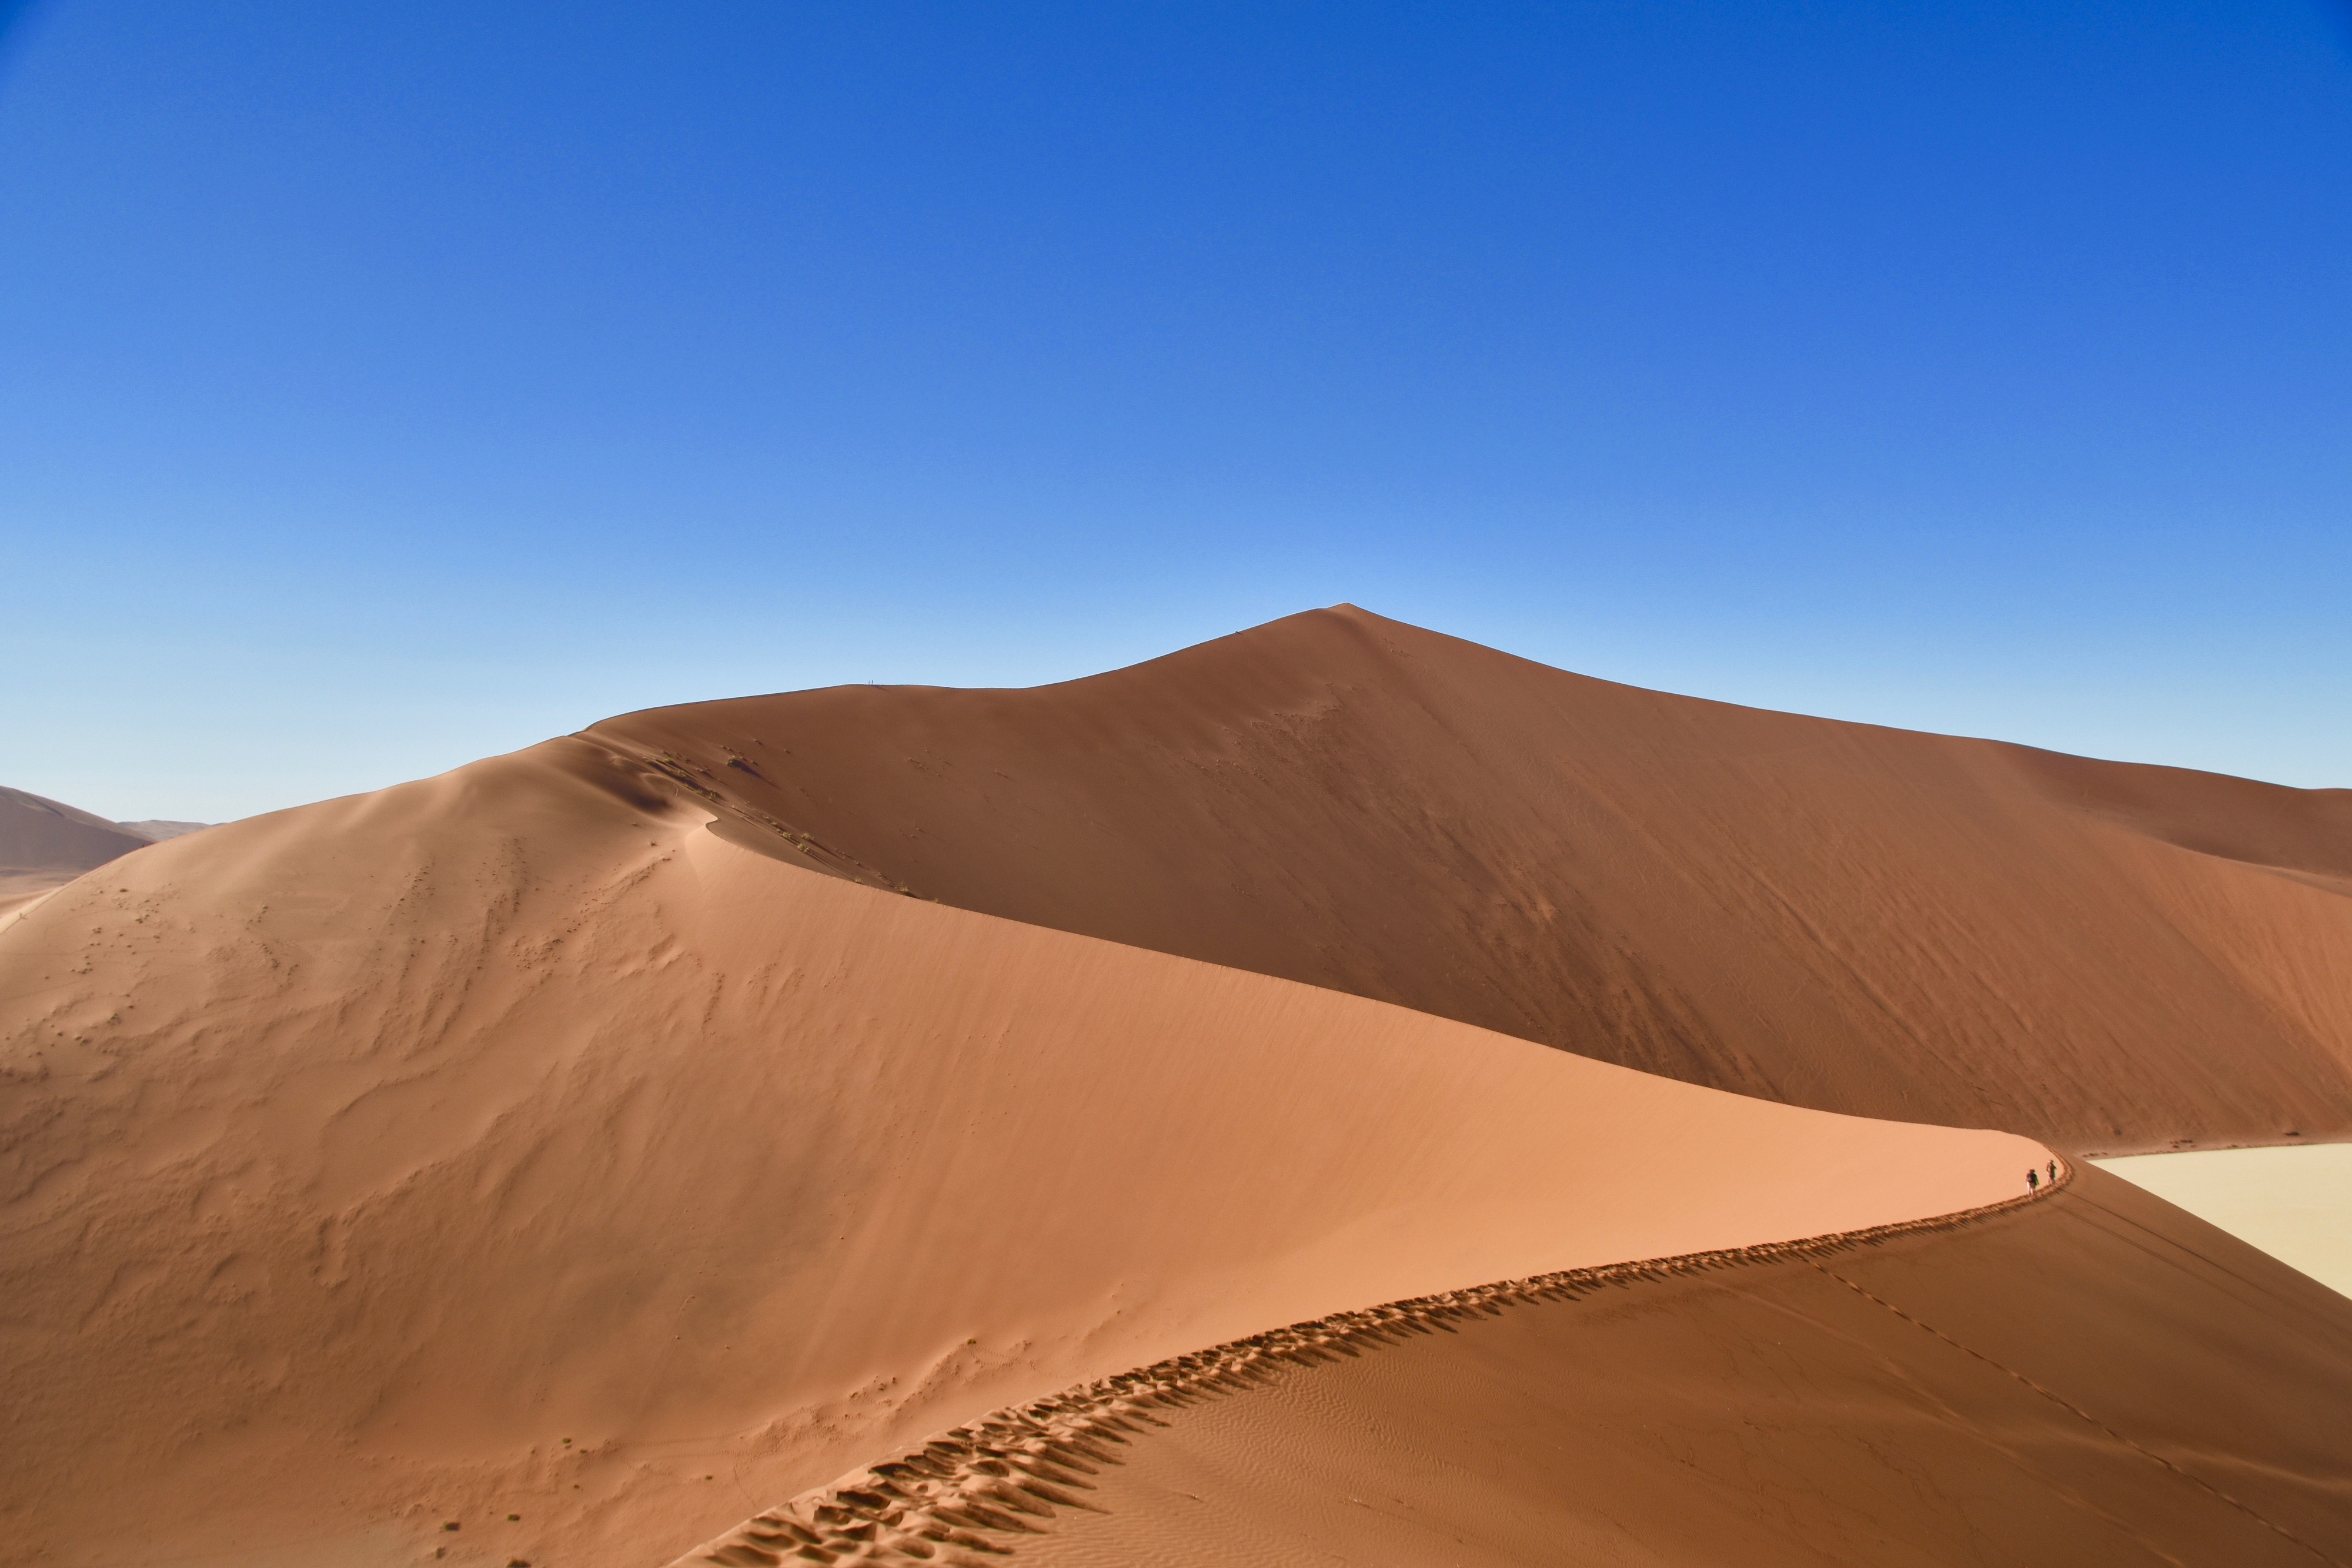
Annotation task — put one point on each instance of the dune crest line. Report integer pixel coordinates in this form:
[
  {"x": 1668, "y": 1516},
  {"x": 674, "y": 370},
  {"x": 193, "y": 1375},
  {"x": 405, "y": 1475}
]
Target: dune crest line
[
  {"x": 1914, "y": 928},
  {"x": 973, "y": 1491}
]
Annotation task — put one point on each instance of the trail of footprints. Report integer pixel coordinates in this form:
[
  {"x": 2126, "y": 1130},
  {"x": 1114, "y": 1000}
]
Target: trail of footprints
[{"x": 971, "y": 1494}]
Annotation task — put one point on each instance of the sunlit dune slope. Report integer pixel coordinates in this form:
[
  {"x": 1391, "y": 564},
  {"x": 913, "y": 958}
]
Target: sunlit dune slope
[
  {"x": 2097, "y": 1380},
  {"x": 1832, "y": 915},
  {"x": 508, "y": 1143}
]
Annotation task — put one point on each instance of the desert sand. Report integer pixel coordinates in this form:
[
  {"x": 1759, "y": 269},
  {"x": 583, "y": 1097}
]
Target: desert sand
[
  {"x": 45, "y": 843},
  {"x": 2295, "y": 1203},
  {"x": 2060, "y": 1382},
  {"x": 566, "y": 1159},
  {"x": 2115, "y": 958},
  {"x": 360, "y": 1155}
]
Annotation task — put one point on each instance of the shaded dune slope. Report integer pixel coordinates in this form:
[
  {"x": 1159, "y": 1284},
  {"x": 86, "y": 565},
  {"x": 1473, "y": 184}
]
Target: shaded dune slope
[
  {"x": 1858, "y": 919},
  {"x": 510, "y": 1142},
  {"x": 45, "y": 843},
  {"x": 2084, "y": 1377}
]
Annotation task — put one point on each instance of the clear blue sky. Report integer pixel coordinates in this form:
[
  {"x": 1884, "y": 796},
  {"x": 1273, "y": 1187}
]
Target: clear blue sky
[{"x": 384, "y": 386}]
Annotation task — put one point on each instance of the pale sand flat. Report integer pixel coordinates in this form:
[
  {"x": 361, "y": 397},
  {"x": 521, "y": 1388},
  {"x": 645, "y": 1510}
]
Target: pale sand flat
[{"x": 2294, "y": 1202}]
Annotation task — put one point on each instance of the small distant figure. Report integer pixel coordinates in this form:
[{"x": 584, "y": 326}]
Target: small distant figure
[
  {"x": 2054, "y": 1173},
  {"x": 2032, "y": 1178}
]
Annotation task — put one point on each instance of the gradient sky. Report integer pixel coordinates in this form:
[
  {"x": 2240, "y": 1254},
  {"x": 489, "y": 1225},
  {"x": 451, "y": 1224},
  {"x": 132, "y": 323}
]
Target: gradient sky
[{"x": 384, "y": 386}]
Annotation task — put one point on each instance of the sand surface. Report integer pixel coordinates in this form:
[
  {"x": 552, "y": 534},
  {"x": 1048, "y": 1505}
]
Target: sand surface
[
  {"x": 155, "y": 829},
  {"x": 2295, "y": 1203},
  {"x": 2095, "y": 1379},
  {"x": 2112, "y": 957},
  {"x": 45, "y": 843},
  {"x": 511, "y": 1142},
  {"x": 20, "y": 890},
  {"x": 593, "y": 1147},
  {"x": 41, "y": 835}
]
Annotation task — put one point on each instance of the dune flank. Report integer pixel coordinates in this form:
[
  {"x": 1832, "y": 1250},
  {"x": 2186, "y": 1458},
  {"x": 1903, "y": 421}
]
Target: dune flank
[
  {"x": 512, "y": 1143},
  {"x": 2103, "y": 956},
  {"x": 2086, "y": 1376}
]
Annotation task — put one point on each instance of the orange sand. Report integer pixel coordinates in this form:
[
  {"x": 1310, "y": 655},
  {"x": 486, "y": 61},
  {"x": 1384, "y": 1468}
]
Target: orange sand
[
  {"x": 360, "y": 1155},
  {"x": 571, "y": 1137},
  {"x": 2107, "y": 956},
  {"x": 2064, "y": 1384}
]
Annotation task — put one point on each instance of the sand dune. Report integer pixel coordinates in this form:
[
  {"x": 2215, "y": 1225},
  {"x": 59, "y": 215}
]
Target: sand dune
[
  {"x": 510, "y": 1143},
  {"x": 45, "y": 843},
  {"x": 2085, "y": 1377},
  {"x": 2109, "y": 957},
  {"x": 155, "y": 829},
  {"x": 564, "y": 1159}
]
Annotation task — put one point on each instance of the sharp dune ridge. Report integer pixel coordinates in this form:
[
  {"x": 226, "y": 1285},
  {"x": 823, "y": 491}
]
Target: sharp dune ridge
[
  {"x": 2104, "y": 956},
  {"x": 2083, "y": 1379},
  {"x": 1867, "y": 1396},
  {"x": 562, "y": 1159},
  {"x": 963, "y": 1493}
]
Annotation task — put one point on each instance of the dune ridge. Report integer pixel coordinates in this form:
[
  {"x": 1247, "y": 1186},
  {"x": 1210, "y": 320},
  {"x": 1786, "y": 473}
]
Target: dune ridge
[
  {"x": 2104, "y": 956},
  {"x": 974, "y": 1490},
  {"x": 2084, "y": 1377}
]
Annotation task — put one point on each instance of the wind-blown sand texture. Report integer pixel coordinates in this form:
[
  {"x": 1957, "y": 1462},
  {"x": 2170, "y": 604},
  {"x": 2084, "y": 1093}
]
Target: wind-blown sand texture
[
  {"x": 2108, "y": 957},
  {"x": 358, "y": 1156},
  {"x": 1908, "y": 1395},
  {"x": 561, "y": 1160},
  {"x": 2295, "y": 1203}
]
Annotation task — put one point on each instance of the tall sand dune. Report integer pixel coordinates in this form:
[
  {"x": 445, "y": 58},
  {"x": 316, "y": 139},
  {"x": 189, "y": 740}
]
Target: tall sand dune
[
  {"x": 2109, "y": 957},
  {"x": 511, "y": 1144},
  {"x": 565, "y": 1159}
]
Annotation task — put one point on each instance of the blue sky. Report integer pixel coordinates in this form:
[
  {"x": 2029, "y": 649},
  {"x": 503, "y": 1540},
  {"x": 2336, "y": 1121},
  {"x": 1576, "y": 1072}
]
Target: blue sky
[{"x": 382, "y": 387}]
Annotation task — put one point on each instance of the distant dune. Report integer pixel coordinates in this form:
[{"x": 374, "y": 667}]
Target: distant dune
[
  {"x": 45, "y": 843},
  {"x": 2106, "y": 956},
  {"x": 155, "y": 831}
]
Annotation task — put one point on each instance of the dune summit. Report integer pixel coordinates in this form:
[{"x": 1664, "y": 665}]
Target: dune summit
[
  {"x": 564, "y": 1159},
  {"x": 2106, "y": 956}
]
